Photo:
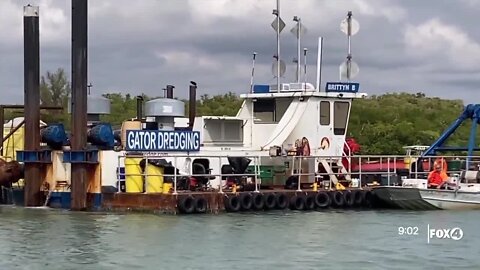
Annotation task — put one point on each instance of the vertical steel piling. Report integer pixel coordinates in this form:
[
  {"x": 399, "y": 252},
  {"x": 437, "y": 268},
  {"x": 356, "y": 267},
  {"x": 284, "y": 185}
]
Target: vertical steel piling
[
  {"x": 79, "y": 102},
  {"x": 31, "y": 39}
]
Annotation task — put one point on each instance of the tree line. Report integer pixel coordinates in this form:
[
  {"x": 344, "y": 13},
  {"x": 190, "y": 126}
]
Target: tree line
[{"x": 381, "y": 124}]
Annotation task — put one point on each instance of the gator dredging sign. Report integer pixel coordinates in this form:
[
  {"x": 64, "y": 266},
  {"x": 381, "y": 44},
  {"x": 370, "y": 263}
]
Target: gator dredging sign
[{"x": 161, "y": 140}]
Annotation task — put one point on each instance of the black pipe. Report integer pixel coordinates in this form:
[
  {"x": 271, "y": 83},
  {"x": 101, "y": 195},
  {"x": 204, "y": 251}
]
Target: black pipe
[
  {"x": 33, "y": 180},
  {"x": 192, "y": 109},
  {"x": 79, "y": 101},
  {"x": 139, "y": 108},
  {"x": 170, "y": 91}
]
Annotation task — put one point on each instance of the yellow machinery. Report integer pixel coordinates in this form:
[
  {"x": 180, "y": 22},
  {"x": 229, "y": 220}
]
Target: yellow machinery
[
  {"x": 133, "y": 175},
  {"x": 15, "y": 141},
  {"x": 154, "y": 179}
]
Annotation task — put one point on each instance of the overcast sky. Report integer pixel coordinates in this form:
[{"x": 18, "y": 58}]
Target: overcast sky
[{"x": 429, "y": 46}]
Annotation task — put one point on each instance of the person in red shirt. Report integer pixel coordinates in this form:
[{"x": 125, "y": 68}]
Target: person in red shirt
[{"x": 437, "y": 178}]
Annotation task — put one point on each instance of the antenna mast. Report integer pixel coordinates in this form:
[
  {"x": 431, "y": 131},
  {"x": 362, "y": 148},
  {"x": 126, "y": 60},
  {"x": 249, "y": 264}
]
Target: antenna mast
[
  {"x": 253, "y": 72},
  {"x": 319, "y": 63},
  {"x": 278, "y": 26},
  {"x": 350, "y": 27},
  {"x": 278, "y": 45}
]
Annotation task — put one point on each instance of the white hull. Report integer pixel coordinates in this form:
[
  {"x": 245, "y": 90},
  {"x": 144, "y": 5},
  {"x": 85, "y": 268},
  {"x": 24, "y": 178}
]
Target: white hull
[{"x": 451, "y": 200}]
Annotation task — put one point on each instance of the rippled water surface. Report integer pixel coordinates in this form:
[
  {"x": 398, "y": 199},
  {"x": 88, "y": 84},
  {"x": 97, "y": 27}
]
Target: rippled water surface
[{"x": 53, "y": 239}]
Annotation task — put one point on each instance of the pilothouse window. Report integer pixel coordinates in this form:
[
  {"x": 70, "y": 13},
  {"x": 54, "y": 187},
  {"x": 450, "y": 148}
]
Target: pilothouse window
[
  {"x": 264, "y": 110},
  {"x": 324, "y": 113},
  {"x": 340, "y": 120}
]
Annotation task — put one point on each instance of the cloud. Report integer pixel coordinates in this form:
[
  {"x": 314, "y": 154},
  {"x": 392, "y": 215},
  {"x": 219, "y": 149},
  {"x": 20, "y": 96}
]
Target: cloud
[
  {"x": 141, "y": 46},
  {"x": 435, "y": 39}
]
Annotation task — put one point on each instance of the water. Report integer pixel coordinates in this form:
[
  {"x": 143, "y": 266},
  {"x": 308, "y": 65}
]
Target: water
[{"x": 53, "y": 239}]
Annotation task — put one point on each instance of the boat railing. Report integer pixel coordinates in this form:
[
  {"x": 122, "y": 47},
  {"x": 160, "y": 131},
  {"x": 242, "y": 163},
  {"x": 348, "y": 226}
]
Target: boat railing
[
  {"x": 389, "y": 168},
  {"x": 187, "y": 172}
]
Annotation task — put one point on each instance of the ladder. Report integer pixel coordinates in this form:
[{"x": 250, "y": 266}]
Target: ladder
[{"x": 334, "y": 168}]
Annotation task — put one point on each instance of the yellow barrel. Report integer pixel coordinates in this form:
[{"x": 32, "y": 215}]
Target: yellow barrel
[
  {"x": 166, "y": 188},
  {"x": 154, "y": 179},
  {"x": 129, "y": 125},
  {"x": 133, "y": 175}
]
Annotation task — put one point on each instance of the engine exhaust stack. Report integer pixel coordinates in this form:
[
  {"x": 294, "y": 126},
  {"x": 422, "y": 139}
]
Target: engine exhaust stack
[
  {"x": 170, "y": 91},
  {"x": 139, "y": 108},
  {"x": 192, "y": 109}
]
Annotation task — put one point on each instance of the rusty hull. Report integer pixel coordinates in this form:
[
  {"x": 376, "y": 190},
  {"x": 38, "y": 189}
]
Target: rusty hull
[
  {"x": 167, "y": 203},
  {"x": 10, "y": 172}
]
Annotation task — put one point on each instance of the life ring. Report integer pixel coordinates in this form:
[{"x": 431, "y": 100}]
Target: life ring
[
  {"x": 322, "y": 200},
  {"x": 269, "y": 200},
  {"x": 337, "y": 198},
  {"x": 310, "y": 202},
  {"x": 232, "y": 203},
  {"x": 258, "y": 201},
  {"x": 281, "y": 201},
  {"x": 186, "y": 205},
  {"x": 297, "y": 202},
  {"x": 348, "y": 198},
  {"x": 246, "y": 201},
  {"x": 200, "y": 205},
  {"x": 358, "y": 197},
  {"x": 325, "y": 143}
]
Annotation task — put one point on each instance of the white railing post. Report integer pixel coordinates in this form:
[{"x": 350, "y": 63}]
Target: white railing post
[
  {"x": 220, "y": 173},
  {"x": 175, "y": 176},
  {"x": 388, "y": 171},
  {"x": 300, "y": 174},
  {"x": 395, "y": 168},
  {"x": 118, "y": 174},
  {"x": 360, "y": 170},
  {"x": 145, "y": 175},
  {"x": 257, "y": 169}
]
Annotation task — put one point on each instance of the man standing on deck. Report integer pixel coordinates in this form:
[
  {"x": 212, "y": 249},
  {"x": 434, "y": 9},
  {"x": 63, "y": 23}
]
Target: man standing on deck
[{"x": 437, "y": 178}]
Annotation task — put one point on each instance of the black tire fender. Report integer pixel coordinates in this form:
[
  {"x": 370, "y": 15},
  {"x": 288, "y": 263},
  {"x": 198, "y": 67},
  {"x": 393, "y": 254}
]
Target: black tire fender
[
  {"x": 367, "y": 198},
  {"x": 358, "y": 197},
  {"x": 258, "y": 201},
  {"x": 232, "y": 203},
  {"x": 297, "y": 202},
  {"x": 269, "y": 200},
  {"x": 200, "y": 205},
  {"x": 348, "y": 198},
  {"x": 337, "y": 198},
  {"x": 322, "y": 200},
  {"x": 186, "y": 205},
  {"x": 246, "y": 201},
  {"x": 281, "y": 201},
  {"x": 310, "y": 202}
]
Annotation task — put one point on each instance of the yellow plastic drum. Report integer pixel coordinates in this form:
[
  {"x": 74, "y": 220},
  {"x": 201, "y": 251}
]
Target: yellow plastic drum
[
  {"x": 167, "y": 187},
  {"x": 154, "y": 179},
  {"x": 133, "y": 175}
]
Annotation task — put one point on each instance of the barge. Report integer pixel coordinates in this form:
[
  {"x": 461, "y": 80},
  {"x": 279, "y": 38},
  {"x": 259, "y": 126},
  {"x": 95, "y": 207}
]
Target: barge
[{"x": 283, "y": 149}]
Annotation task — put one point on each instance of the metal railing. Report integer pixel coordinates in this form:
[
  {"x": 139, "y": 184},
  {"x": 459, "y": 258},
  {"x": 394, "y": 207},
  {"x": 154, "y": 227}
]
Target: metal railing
[
  {"x": 359, "y": 166},
  {"x": 255, "y": 163}
]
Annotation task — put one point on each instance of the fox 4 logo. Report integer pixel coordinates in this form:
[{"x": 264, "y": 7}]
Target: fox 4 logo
[{"x": 453, "y": 233}]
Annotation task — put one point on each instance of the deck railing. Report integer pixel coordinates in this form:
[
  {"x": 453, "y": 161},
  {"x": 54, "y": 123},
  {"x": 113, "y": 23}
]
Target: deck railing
[{"x": 359, "y": 167}]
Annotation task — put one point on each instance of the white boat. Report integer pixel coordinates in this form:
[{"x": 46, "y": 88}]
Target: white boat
[{"x": 414, "y": 194}]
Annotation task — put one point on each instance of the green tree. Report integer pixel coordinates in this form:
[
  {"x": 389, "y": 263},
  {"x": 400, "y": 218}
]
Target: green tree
[
  {"x": 55, "y": 91},
  {"x": 55, "y": 88}
]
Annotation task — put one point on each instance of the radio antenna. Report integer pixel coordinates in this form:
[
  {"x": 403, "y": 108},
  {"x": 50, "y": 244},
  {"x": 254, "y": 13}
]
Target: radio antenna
[
  {"x": 278, "y": 25},
  {"x": 253, "y": 72}
]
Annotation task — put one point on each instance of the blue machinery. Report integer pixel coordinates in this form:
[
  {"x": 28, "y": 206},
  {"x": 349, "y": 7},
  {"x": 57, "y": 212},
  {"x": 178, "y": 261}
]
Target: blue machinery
[
  {"x": 100, "y": 137},
  {"x": 471, "y": 111}
]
